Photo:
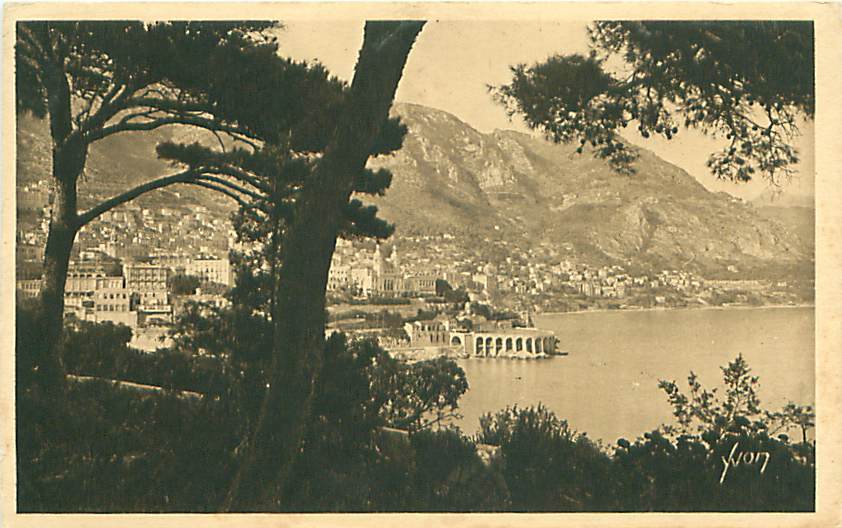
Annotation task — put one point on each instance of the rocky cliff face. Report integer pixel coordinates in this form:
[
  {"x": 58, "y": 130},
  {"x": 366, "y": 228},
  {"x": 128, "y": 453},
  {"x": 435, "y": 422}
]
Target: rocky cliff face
[
  {"x": 115, "y": 164},
  {"x": 452, "y": 178}
]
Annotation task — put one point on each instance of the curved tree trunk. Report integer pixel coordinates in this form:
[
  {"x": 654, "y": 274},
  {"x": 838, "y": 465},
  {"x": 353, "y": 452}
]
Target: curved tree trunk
[
  {"x": 68, "y": 161},
  {"x": 56, "y": 259},
  {"x": 299, "y": 316}
]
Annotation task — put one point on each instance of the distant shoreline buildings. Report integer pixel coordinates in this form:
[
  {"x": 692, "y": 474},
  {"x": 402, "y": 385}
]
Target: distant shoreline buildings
[
  {"x": 139, "y": 295},
  {"x": 123, "y": 263},
  {"x": 374, "y": 275}
]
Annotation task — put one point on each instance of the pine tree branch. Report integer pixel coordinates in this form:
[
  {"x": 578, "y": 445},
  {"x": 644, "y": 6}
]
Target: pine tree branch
[
  {"x": 222, "y": 190},
  {"x": 182, "y": 177},
  {"x": 85, "y": 114},
  {"x": 112, "y": 104},
  {"x": 213, "y": 162},
  {"x": 167, "y": 105},
  {"x": 33, "y": 43},
  {"x": 191, "y": 176},
  {"x": 244, "y": 177},
  {"x": 230, "y": 185},
  {"x": 237, "y": 133}
]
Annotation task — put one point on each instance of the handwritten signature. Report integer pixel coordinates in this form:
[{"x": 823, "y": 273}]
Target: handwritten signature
[{"x": 735, "y": 458}]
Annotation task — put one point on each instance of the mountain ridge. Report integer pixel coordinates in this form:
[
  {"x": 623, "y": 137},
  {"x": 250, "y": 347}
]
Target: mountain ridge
[
  {"x": 452, "y": 178},
  {"x": 449, "y": 176}
]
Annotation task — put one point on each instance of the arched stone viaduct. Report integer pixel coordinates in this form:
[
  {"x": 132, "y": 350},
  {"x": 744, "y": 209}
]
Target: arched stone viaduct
[{"x": 501, "y": 343}]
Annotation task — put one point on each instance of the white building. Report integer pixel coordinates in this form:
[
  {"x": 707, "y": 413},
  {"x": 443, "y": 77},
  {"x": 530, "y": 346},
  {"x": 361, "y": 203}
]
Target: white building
[
  {"x": 114, "y": 305},
  {"x": 338, "y": 277},
  {"x": 211, "y": 269},
  {"x": 362, "y": 279}
]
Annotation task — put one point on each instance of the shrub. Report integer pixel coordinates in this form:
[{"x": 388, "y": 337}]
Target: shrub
[
  {"x": 107, "y": 450},
  {"x": 546, "y": 465},
  {"x": 418, "y": 395},
  {"x": 656, "y": 474},
  {"x": 102, "y": 449},
  {"x": 449, "y": 475}
]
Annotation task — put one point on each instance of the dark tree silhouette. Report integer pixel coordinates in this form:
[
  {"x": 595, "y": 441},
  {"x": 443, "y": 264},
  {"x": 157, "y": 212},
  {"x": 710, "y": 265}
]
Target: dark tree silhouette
[
  {"x": 307, "y": 139},
  {"x": 94, "y": 79},
  {"x": 750, "y": 82},
  {"x": 278, "y": 184},
  {"x": 318, "y": 214}
]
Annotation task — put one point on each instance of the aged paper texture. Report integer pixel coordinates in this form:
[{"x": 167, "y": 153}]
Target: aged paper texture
[{"x": 446, "y": 95}]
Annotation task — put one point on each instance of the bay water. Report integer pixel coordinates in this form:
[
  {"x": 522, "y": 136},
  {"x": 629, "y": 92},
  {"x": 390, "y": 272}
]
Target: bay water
[{"x": 607, "y": 385}]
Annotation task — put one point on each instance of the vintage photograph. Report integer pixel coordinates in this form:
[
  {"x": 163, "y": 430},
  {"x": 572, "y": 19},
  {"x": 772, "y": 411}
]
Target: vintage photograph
[{"x": 326, "y": 265}]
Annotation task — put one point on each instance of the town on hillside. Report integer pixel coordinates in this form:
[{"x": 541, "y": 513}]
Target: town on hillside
[
  {"x": 360, "y": 264},
  {"x": 142, "y": 266}
]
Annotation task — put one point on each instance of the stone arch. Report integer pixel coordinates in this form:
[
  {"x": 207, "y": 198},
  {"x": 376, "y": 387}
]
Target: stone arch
[
  {"x": 478, "y": 345},
  {"x": 539, "y": 345},
  {"x": 518, "y": 344},
  {"x": 498, "y": 345},
  {"x": 489, "y": 342},
  {"x": 529, "y": 344},
  {"x": 455, "y": 340},
  {"x": 509, "y": 344}
]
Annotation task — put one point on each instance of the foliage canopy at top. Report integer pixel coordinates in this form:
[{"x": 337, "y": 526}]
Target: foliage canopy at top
[
  {"x": 748, "y": 81},
  {"x": 134, "y": 76},
  {"x": 226, "y": 77}
]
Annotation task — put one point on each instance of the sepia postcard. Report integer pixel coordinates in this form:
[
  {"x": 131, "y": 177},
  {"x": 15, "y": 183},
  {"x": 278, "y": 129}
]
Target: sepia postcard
[{"x": 421, "y": 264}]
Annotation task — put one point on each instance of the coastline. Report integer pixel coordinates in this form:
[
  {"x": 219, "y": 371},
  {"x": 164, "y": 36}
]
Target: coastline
[
  {"x": 616, "y": 361},
  {"x": 678, "y": 308}
]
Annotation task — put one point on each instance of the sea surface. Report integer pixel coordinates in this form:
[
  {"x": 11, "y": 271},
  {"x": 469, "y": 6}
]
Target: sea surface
[{"x": 607, "y": 386}]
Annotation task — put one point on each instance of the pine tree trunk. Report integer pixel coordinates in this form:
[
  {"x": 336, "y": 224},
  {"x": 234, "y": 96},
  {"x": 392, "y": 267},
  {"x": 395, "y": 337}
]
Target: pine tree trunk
[
  {"x": 56, "y": 259},
  {"x": 69, "y": 155},
  {"x": 308, "y": 249}
]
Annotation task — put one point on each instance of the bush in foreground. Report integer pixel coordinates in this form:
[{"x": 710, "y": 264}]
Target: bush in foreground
[{"x": 109, "y": 449}]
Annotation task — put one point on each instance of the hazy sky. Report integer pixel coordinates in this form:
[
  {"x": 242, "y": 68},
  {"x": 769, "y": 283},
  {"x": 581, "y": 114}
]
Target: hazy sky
[{"x": 452, "y": 62}]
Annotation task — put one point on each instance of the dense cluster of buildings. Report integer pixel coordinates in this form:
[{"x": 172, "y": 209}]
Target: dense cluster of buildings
[
  {"x": 133, "y": 230},
  {"x": 123, "y": 261},
  {"x": 137, "y": 295},
  {"x": 374, "y": 274},
  {"x": 495, "y": 272},
  {"x": 614, "y": 282}
]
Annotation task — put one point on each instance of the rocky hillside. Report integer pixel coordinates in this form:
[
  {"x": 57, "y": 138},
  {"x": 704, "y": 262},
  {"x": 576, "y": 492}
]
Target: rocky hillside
[
  {"x": 450, "y": 178},
  {"x": 114, "y": 165}
]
